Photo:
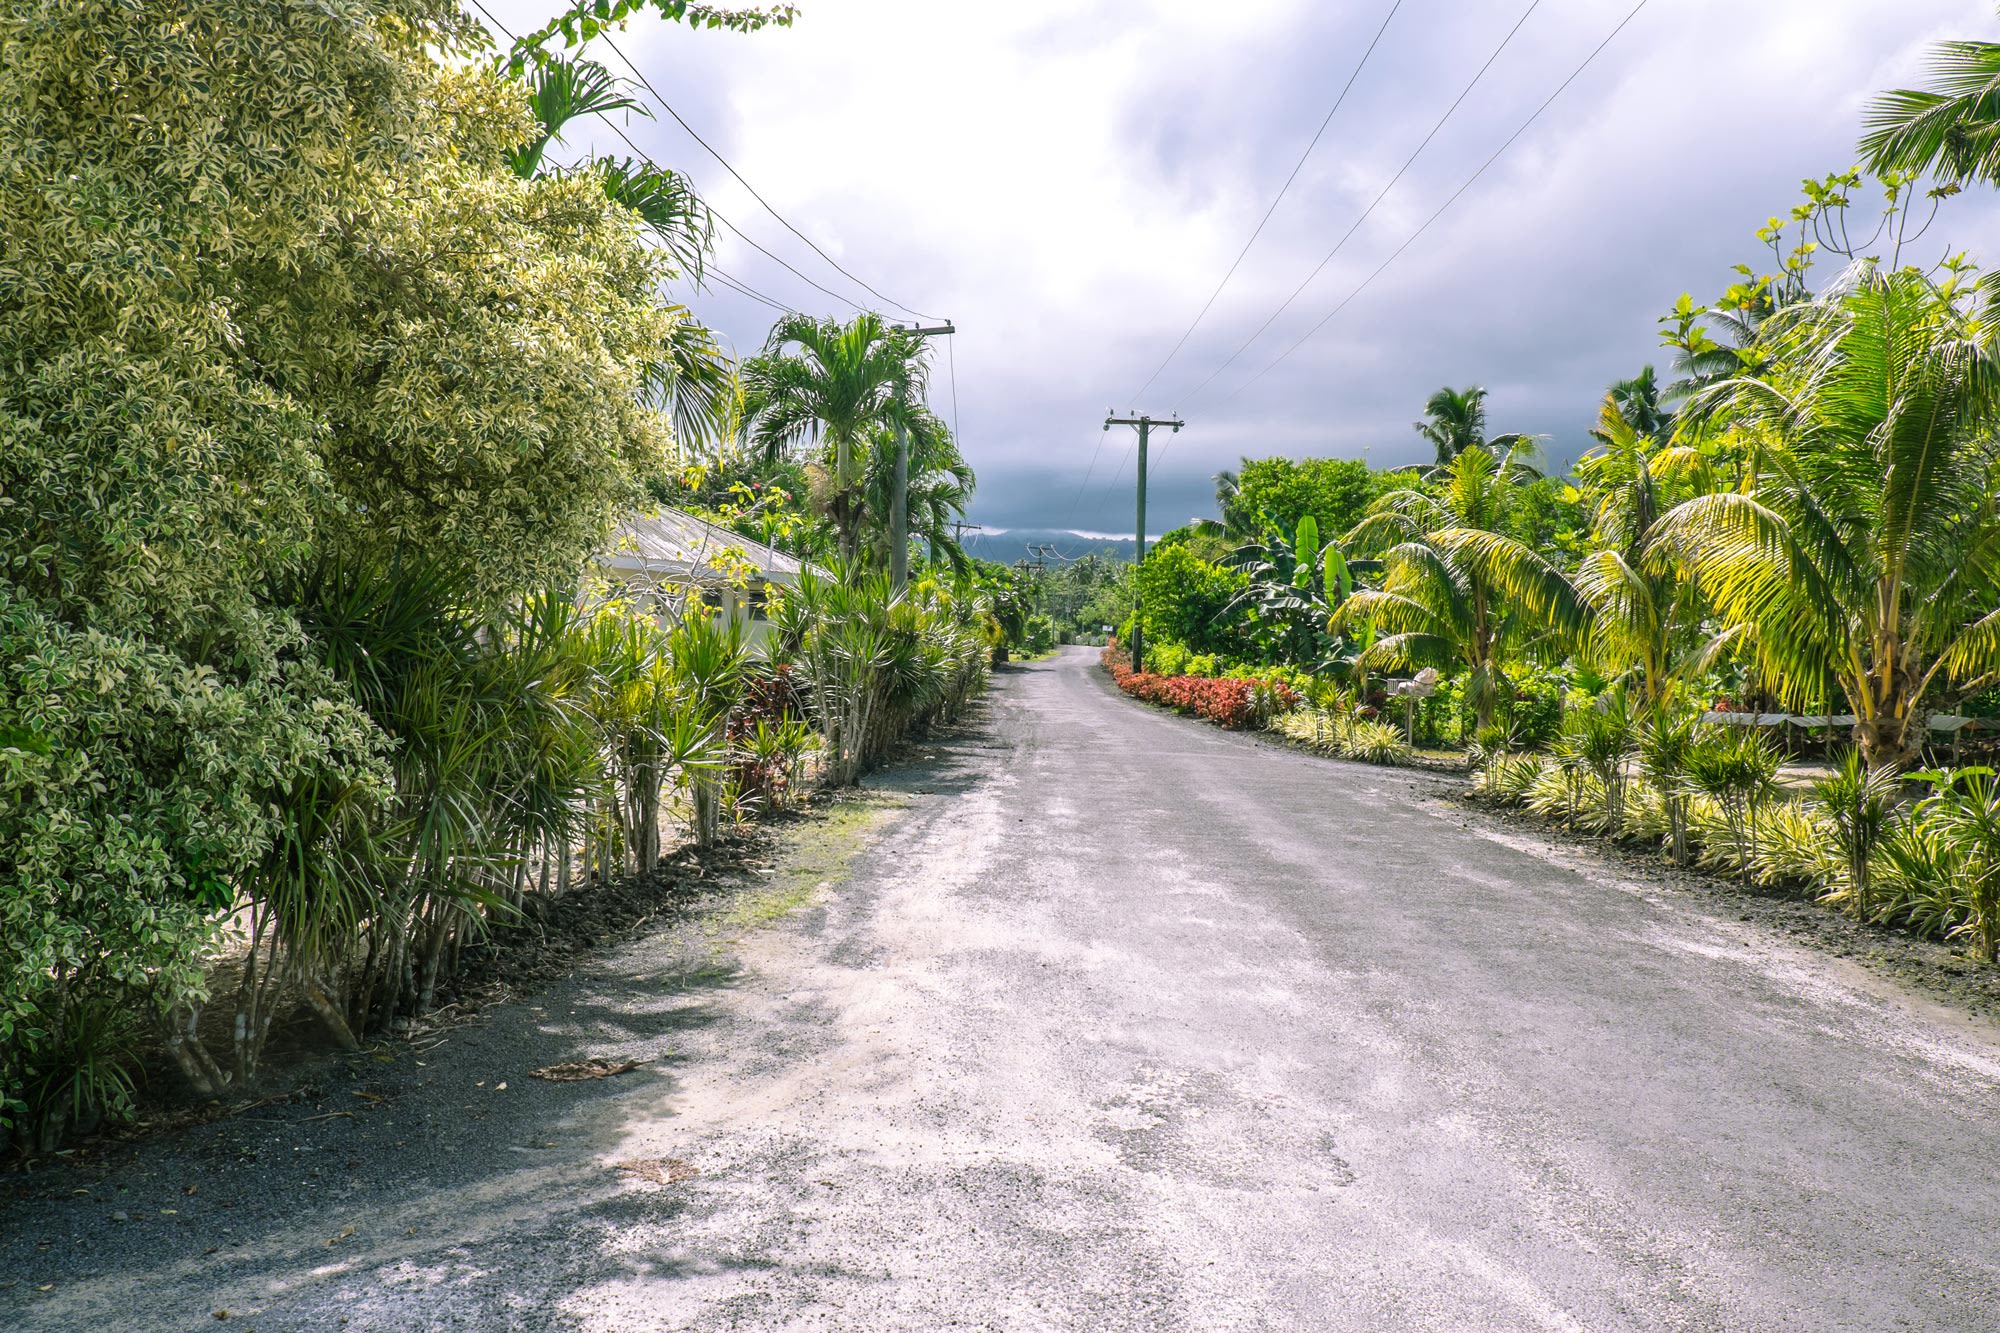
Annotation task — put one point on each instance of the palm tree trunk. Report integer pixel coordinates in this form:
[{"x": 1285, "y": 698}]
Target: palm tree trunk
[{"x": 843, "y": 497}]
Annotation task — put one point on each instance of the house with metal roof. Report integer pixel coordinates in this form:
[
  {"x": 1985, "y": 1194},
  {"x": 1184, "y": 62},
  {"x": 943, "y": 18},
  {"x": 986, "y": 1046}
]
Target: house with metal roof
[{"x": 667, "y": 557}]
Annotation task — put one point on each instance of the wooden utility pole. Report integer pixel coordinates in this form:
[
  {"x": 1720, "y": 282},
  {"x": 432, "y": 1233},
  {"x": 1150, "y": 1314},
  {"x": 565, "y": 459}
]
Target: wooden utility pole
[
  {"x": 1145, "y": 425},
  {"x": 899, "y": 500}
]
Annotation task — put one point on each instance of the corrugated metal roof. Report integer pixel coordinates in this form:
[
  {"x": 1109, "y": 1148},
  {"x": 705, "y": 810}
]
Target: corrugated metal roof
[{"x": 674, "y": 545}]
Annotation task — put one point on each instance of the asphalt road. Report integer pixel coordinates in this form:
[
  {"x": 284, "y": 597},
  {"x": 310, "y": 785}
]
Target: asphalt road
[{"x": 1118, "y": 1022}]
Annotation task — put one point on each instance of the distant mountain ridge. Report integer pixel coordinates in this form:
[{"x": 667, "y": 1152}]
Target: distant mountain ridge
[{"x": 1007, "y": 547}]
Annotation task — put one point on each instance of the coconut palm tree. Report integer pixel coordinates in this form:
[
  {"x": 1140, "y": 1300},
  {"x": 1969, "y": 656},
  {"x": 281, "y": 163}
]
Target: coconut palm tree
[
  {"x": 821, "y": 381},
  {"x": 1454, "y": 421},
  {"x": 1455, "y": 590},
  {"x": 1951, "y": 128},
  {"x": 1864, "y": 550},
  {"x": 1637, "y": 401},
  {"x": 1645, "y": 618}
]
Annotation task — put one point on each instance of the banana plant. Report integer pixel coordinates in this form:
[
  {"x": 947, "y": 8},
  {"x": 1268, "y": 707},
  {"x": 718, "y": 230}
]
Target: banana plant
[{"x": 1296, "y": 585}]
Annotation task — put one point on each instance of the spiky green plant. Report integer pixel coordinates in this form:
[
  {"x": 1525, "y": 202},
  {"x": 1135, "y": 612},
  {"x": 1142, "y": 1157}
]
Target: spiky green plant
[
  {"x": 1795, "y": 845},
  {"x": 1737, "y": 768},
  {"x": 708, "y": 660},
  {"x": 1968, "y": 815},
  {"x": 1858, "y": 802},
  {"x": 1372, "y": 742},
  {"x": 1923, "y": 883},
  {"x": 1606, "y": 736},
  {"x": 1664, "y": 744}
]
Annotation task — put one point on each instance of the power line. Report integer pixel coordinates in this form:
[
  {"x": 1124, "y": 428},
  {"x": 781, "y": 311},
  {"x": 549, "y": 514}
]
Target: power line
[
  {"x": 1338, "y": 245},
  {"x": 504, "y": 29},
  {"x": 1084, "y": 485},
  {"x": 1411, "y": 239},
  {"x": 740, "y": 234},
  {"x": 743, "y": 289},
  {"x": 738, "y": 284},
  {"x": 714, "y": 212},
  {"x": 717, "y": 214},
  {"x": 734, "y": 284},
  {"x": 745, "y": 238},
  {"x": 1276, "y": 200},
  {"x": 785, "y": 222}
]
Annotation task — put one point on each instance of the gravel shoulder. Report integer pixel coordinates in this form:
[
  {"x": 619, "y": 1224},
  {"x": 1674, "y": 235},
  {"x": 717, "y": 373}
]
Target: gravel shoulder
[{"x": 345, "y": 1200}]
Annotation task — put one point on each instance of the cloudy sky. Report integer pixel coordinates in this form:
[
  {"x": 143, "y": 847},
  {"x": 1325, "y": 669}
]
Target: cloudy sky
[{"x": 1069, "y": 179}]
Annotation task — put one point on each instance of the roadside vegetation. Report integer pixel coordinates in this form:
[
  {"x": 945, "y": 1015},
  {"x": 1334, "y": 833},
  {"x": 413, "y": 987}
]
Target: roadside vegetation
[
  {"x": 324, "y": 386},
  {"x": 1757, "y": 626}
]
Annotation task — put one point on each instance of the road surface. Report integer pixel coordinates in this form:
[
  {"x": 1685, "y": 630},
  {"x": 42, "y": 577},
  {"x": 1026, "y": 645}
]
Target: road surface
[{"x": 1120, "y": 1022}]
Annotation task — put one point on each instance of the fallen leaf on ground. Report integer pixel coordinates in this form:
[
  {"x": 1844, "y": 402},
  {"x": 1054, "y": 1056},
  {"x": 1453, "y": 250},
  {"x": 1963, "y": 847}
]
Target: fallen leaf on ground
[
  {"x": 578, "y": 1071},
  {"x": 659, "y": 1170}
]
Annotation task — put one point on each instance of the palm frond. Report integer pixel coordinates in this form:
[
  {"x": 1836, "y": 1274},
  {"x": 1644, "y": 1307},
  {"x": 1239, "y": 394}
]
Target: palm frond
[{"x": 1951, "y": 128}]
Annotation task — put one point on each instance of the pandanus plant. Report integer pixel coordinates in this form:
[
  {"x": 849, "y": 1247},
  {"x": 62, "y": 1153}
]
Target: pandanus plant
[
  {"x": 1965, "y": 813},
  {"x": 1665, "y": 740},
  {"x": 831, "y": 626},
  {"x": 1858, "y": 802},
  {"x": 1738, "y": 769},
  {"x": 1606, "y": 735},
  {"x": 874, "y": 660},
  {"x": 709, "y": 662}
]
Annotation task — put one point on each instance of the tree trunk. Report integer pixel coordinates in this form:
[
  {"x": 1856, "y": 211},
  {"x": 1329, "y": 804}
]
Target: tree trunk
[
  {"x": 1884, "y": 742},
  {"x": 329, "y": 1015},
  {"x": 843, "y": 506},
  {"x": 203, "y": 1074}
]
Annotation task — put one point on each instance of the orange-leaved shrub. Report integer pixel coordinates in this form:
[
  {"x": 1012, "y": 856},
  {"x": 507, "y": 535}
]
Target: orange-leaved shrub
[{"x": 1228, "y": 701}]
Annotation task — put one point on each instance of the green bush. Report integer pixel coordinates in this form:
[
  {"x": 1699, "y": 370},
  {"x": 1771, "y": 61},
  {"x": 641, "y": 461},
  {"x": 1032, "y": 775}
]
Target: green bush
[
  {"x": 1371, "y": 742},
  {"x": 1967, "y": 813},
  {"x": 1164, "y": 657},
  {"x": 1187, "y": 600},
  {"x": 1336, "y": 492}
]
